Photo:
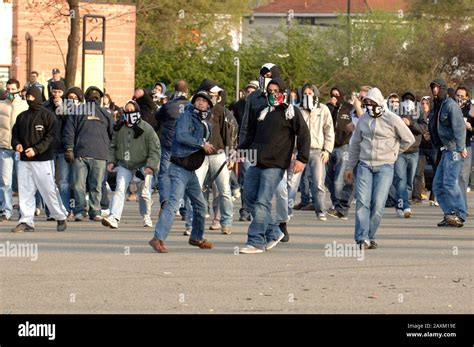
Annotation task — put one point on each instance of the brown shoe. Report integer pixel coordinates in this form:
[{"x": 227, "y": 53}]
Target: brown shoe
[
  {"x": 158, "y": 245},
  {"x": 309, "y": 207},
  {"x": 203, "y": 244}
]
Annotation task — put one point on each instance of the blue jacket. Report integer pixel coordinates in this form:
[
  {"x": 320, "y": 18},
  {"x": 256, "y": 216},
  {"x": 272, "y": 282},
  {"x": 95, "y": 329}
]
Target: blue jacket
[
  {"x": 89, "y": 134},
  {"x": 191, "y": 133},
  {"x": 451, "y": 125}
]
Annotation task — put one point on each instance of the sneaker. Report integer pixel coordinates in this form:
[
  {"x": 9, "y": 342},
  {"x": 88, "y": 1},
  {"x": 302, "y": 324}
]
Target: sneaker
[
  {"x": 215, "y": 226},
  {"x": 364, "y": 244},
  {"x": 110, "y": 221},
  {"x": 309, "y": 207},
  {"x": 50, "y": 219},
  {"x": 61, "y": 225},
  {"x": 244, "y": 218},
  {"x": 286, "y": 236},
  {"x": 37, "y": 212},
  {"x": 407, "y": 213},
  {"x": 78, "y": 218},
  {"x": 273, "y": 243},
  {"x": 22, "y": 227},
  {"x": 158, "y": 245},
  {"x": 236, "y": 193},
  {"x": 249, "y": 249},
  {"x": 105, "y": 213},
  {"x": 207, "y": 216},
  {"x": 321, "y": 216},
  {"x": 147, "y": 223},
  {"x": 399, "y": 213},
  {"x": 468, "y": 190},
  {"x": 335, "y": 213},
  {"x": 434, "y": 203},
  {"x": 226, "y": 230},
  {"x": 453, "y": 220},
  {"x": 187, "y": 231},
  {"x": 203, "y": 244},
  {"x": 132, "y": 197},
  {"x": 373, "y": 245},
  {"x": 298, "y": 206},
  {"x": 70, "y": 217},
  {"x": 4, "y": 219},
  {"x": 96, "y": 218}
]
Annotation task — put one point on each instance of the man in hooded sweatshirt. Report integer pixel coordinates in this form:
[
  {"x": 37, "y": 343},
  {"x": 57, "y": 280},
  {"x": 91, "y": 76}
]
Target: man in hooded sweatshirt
[
  {"x": 271, "y": 133},
  {"x": 379, "y": 137},
  {"x": 341, "y": 119},
  {"x": 448, "y": 132},
  {"x": 86, "y": 139},
  {"x": 407, "y": 162},
  {"x": 33, "y": 138},
  {"x": 135, "y": 151}
]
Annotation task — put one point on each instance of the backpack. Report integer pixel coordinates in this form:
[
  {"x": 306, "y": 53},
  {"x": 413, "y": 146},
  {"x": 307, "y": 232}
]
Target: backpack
[{"x": 231, "y": 129}]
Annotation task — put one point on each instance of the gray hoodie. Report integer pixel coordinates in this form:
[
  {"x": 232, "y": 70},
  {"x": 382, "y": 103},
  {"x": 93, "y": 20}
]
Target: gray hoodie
[{"x": 378, "y": 141}]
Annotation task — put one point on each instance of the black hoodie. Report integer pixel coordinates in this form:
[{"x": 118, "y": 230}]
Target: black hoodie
[
  {"x": 147, "y": 109},
  {"x": 341, "y": 117},
  {"x": 35, "y": 128}
]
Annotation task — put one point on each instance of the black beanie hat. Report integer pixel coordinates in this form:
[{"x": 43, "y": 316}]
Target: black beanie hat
[{"x": 58, "y": 85}]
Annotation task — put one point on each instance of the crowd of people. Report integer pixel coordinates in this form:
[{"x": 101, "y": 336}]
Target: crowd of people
[{"x": 67, "y": 152}]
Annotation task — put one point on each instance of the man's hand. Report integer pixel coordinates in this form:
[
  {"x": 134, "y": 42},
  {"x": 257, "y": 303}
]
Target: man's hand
[
  {"x": 349, "y": 176},
  {"x": 19, "y": 148},
  {"x": 30, "y": 152},
  {"x": 427, "y": 136},
  {"x": 324, "y": 157},
  {"x": 468, "y": 126},
  {"x": 463, "y": 153},
  {"x": 350, "y": 127},
  {"x": 208, "y": 148},
  {"x": 230, "y": 165},
  {"x": 110, "y": 167},
  {"x": 148, "y": 171},
  {"x": 298, "y": 167},
  {"x": 69, "y": 155},
  {"x": 406, "y": 121}
]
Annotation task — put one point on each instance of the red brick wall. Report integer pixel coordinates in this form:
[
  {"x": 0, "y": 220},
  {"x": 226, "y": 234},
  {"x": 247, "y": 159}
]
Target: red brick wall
[{"x": 31, "y": 15}]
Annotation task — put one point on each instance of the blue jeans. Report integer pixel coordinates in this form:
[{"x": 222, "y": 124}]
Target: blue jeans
[
  {"x": 335, "y": 173},
  {"x": 7, "y": 158},
  {"x": 446, "y": 184},
  {"x": 260, "y": 184},
  {"x": 182, "y": 181},
  {"x": 372, "y": 186},
  {"x": 281, "y": 201},
  {"x": 244, "y": 210},
  {"x": 405, "y": 170},
  {"x": 65, "y": 175},
  {"x": 465, "y": 173},
  {"x": 305, "y": 187},
  {"x": 163, "y": 175},
  {"x": 317, "y": 171},
  {"x": 90, "y": 171}
]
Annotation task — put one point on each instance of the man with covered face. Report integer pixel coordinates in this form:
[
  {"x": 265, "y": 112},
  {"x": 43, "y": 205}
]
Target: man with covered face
[
  {"x": 379, "y": 137},
  {"x": 271, "y": 133}
]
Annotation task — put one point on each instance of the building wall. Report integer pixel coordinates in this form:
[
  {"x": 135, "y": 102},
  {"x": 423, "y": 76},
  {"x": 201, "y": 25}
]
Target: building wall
[{"x": 50, "y": 42}]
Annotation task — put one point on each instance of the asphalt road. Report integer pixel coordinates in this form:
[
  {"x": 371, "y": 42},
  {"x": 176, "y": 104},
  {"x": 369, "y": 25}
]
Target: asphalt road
[{"x": 418, "y": 268}]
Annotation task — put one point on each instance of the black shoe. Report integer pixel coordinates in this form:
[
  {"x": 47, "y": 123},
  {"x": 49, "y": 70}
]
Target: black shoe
[
  {"x": 50, "y": 219},
  {"x": 373, "y": 245},
  {"x": 62, "y": 225},
  {"x": 453, "y": 220},
  {"x": 363, "y": 244},
  {"x": 4, "y": 219},
  {"x": 244, "y": 218},
  {"x": 298, "y": 206},
  {"x": 335, "y": 213},
  {"x": 283, "y": 229},
  {"x": 443, "y": 223},
  {"x": 22, "y": 227}
]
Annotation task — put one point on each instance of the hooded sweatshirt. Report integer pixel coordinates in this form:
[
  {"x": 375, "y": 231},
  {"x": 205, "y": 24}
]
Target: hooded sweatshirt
[
  {"x": 418, "y": 126},
  {"x": 378, "y": 141},
  {"x": 341, "y": 117}
]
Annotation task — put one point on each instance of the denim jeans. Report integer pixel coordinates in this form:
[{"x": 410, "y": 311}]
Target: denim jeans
[
  {"x": 211, "y": 164},
  {"x": 317, "y": 171},
  {"x": 372, "y": 186},
  {"x": 294, "y": 181},
  {"x": 124, "y": 176},
  {"x": 465, "y": 173},
  {"x": 335, "y": 172},
  {"x": 446, "y": 184},
  {"x": 65, "y": 175},
  {"x": 281, "y": 201},
  {"x": 182, "y": 181},
  {"x": 260, "y": 185},
  {"x": 7, "y": 159},
  {"x": 90, "y": 171},
  {"x": 305, "y": 187},
  {"x": 163, "y": 175},
  {"x": 425, "y": 155},
  {"x": 244, "y": 210},
  {"x": 405, "y": 170}
]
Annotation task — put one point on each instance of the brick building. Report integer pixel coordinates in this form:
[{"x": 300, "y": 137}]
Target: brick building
[{"x": 40, "y": 30}]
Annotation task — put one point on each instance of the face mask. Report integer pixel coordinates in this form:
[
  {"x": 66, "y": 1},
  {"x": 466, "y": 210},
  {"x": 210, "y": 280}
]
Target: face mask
[
  {"x": 408, "y": 107},
  {"x": 34, "y": 104},
  {"x": 309, "y": 102},
  {"x": 263, "y": 81},
  {"x": 132, "y": 118},
  {"x": 275, "y": 100},
  {"x": 215, "y": 100},
  {"x": 394, "y": 107},
  {"x": 74, "y": 101},
  {"x": 13, "y": 96},
  {"x": 460, "y": 101},
  {"x": 202, "y": 114},
  {"x": 374, "y": 111}
]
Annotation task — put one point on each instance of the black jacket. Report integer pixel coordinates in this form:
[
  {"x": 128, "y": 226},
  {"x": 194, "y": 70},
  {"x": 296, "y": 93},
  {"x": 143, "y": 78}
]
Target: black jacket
[
  {"x": 418, "y": 127},
  {"x": 274, "y": 138},
  {"x": 147, "y": 109},
  {"x": 217, "y": 119},
  {"x": 341, "y": 117},
  {"x": 35, "y": 128},
  {"x": 166, "y": 120},
  {"x": 89, "y": 135},
  {"x": 465, "y": 113},
  {"x": 60, "y": 123}
]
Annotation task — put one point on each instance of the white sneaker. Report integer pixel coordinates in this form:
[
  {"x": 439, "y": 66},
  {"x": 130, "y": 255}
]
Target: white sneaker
[
  {"x": 147, "y": 221},
  {"x": 110, "y": 221},
  {"x": 468, "y": 189},
  {"x": 322, "y": 216},
  {"x": 400, "y": 213},
  {"x": 105, "y": 213},
  {"x": 249, "y": 249},
  {"x": 236, "y": 193},
  {"x": 187, "y": 231},
  {"x": 407, "y": 213},
  {"x": 434, "y": 203},
  {"x": 273, "y": 243}
]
